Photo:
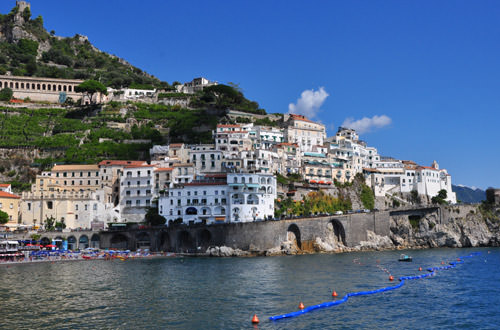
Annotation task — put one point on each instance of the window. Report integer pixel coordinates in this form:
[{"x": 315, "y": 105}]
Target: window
[
  {"x": 138, "y": 202},
  {"x": 29, "y": 206},
  {"x": 11, "y": 206},
  {"x": 129, "y": 203},
  {"x": 50, "y": 205},
  {"x": 128, "y": 192},
  {"x": 86, "y": 207},
  {"x": 76, "y": 207}
]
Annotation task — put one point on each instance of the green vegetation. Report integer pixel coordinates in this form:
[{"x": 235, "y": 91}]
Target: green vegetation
[
  {"x": 153, "y": 218},
  {"x": 78, "y": 137},
  {"x": 367, "y": 197},
  {"x": 4, "y": 217},
  {"x": 223, "y": 97},
  {"x": 6, "y": 94},
  {"x": 71, "y": 58},
  {"x": 315, "y": 202},
  {"x": 440, "y": 198},
  {"x": 414, "y": 221},
  {"x": 90, "y": 88}
]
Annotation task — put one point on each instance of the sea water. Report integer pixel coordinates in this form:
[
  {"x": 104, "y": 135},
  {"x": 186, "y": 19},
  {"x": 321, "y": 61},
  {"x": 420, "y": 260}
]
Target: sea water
[{"x": 224, "y": 293}]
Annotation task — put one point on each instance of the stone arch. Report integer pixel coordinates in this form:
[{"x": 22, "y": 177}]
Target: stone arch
[
  {"x": 54, "y": 87},
  {"x": 70, "y": 88},
  {"x": 143, "y": 241},
  {"x": 119, "y": 241},
  {"x": 83, "y": 242},
  {"x": 293, "y": 234},
  {"x": 95, "y": 241},
  {"x": 204, "y": 239},
  {"x": 164, "y": 241},
  {"x": 17, "y": 85},
  {"x": 1, "y": 84},
  {"x": 11, "y": 85},
  {"x": 338, "y": 231},
  {"x": 72, "y": 243},
  {"x": 185, "y": 242},
  {"x": 64, "y": 88},
  {"x": 45, "y": 241},
  {"x": 48, "y": 87},
  {"x": 43, "y": 87},
  {"x": 22, "y": 85},
  {"x": 191, "y": 211},
  {"x": 38, "y": 87}
]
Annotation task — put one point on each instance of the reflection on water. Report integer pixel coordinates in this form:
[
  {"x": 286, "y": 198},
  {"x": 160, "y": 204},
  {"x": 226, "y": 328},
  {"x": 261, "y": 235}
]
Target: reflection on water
[{"x": 224, "y": 293}]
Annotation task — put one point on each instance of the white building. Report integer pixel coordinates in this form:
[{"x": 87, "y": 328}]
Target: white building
[
  {"x": 392, "y": 176},
  {"x": 136, "y": 192},
  {"x": 304, "y": 132},
  {"x": 196, "y": 85},
  {"x": 218, "y": 198}
]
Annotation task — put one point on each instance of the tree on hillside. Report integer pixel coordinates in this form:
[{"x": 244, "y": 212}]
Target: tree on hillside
[
  {"x": 91, "y": 88},
  {"x": 4, "y": 217},
  {"x": 490, "y": 196},
  {"x": 6, "y": 94},
  {"x": 440, "y": 198}
]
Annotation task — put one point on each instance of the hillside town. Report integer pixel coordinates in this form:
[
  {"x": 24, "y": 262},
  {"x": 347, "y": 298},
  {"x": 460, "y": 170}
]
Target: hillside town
[{"x": 232, "y": 180}]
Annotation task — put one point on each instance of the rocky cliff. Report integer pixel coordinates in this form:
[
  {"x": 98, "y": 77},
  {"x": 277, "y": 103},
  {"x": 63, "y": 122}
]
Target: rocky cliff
[{"x": 448, "y": 226}]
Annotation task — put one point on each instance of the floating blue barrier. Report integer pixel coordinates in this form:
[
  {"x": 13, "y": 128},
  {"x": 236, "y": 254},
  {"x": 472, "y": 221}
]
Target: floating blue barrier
[{"x": 432, "y": 272}]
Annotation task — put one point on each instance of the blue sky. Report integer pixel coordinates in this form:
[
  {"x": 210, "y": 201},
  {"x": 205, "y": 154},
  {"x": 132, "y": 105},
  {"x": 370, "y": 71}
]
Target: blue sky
[{"x": 429, "y": 70}]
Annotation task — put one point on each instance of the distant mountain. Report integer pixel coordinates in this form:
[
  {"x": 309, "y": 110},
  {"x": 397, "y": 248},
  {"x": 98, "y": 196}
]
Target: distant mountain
[
  {"x": 27, "y": 49},
  {"x": 469, "y": 194}
]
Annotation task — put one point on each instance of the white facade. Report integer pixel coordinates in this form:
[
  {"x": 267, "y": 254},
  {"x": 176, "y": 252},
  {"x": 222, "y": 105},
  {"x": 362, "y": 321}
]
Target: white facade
[
  {"x": 136, "y": 192},
  {"x": 237, "y": 197},
  {"x": 304, "y": 132}
]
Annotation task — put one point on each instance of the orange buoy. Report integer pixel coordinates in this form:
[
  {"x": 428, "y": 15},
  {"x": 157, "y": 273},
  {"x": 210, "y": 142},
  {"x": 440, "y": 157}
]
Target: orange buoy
[
  {"x": 255, "y": 319},
  {"x": 442, "y": 262},
  {"x": 334, "y": 294},
  {"x": 301, "y": 305},
  {"x": 458, "y": 259},
  {"x": 420, "y": 269},
  {"x": 391, "y": 278}
]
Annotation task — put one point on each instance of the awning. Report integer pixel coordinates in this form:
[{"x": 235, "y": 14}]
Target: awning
[{"x": 220, "y": 218}]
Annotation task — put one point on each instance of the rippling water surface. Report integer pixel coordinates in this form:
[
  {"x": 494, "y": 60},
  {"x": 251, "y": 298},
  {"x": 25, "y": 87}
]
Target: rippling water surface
[{"x": 224, "y": 293}]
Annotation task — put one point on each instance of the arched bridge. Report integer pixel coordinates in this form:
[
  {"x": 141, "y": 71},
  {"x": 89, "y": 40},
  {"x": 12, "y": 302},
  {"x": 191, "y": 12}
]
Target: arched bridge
[{"x": 347, "y": 230}]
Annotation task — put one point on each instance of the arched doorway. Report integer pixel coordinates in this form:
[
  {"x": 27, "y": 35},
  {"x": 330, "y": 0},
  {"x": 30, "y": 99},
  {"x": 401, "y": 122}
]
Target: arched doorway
[
  {"x": 45, "y": 241},
  {"x": 142, "y": 241},
  {"x": 338, "y": 231},
  {"x": 94, "y": 241},
  {"x": 72, "y": 243},
  {"x": 185, "y": 242},
  {"x": 119, "y": 241},
  {"x": 293, "y": 234},
  {"x": 164, "y": 242},
  {"x": 83, "y": 242},
  {"x": 204, "y": 239}
]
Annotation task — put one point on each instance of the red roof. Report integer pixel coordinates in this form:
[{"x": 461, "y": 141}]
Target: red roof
[
  {"x": 141, "y": 165},
  {"x": 429, "y": 168},
  {"x": 227, "y": 126},
  {"x": 4, "y": 194},
  {"x": 301, "y": 117},
  {"x": 287, "y": 144},
  {"x": 121, "y": 162},
  {"x": 176, "y": 145},
  {"x": 164, "y": 169},
  {"x": 4, "y": 185}
]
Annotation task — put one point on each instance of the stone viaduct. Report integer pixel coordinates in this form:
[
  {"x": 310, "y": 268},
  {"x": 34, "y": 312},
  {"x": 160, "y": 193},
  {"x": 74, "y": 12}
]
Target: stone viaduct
[
  {"x": 349, "y": 230},
  {"x": 76, "y": 239}
]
